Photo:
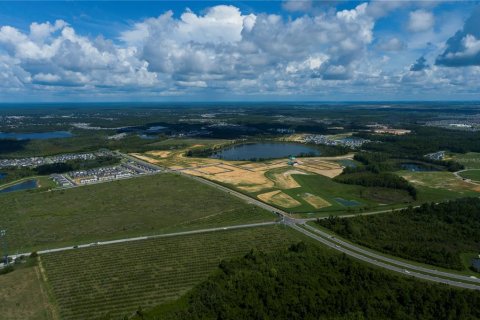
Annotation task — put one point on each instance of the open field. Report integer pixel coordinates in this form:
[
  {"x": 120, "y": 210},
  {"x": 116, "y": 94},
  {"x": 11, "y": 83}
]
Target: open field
[
  {"x": 119, "y": 278},
  {"x": 23, "y": 295},
  {"x": 473, "y": 175},
  {"x": 440, "y": 180},
  {"x": 118, "y": 209},
  {"x": 470, "y": 160}
]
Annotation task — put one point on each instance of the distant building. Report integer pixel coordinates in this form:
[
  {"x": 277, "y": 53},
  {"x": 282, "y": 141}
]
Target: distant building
[
  {"x": 440, "y": 155},
  {"x": 397, "y": 132}
]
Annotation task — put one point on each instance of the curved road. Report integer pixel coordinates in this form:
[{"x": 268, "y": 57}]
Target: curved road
[{"x": 354, "y": 250}]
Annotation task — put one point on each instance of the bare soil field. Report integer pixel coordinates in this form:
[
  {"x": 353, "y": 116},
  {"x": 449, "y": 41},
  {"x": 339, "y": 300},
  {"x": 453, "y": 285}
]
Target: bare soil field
[
  {"x": 144, "y": 158},
  {"x": 279, "y": 198},
  {"x": 246, "y": 175},
  {"x": 161, "y": 154},
  {"x": 284, "y": 180},
  {"x": 315, "y": 201}
]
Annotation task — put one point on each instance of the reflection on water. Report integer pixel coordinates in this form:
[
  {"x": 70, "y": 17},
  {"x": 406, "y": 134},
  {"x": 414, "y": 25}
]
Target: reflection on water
[
  {"x": 264, "y": 151},
  {"x": 35, "y": 135},
  {"x": 25, "y": 185}
]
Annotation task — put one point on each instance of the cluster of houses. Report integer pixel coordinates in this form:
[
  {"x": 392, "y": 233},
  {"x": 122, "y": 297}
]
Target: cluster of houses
[{"x": 33, "y": 162}]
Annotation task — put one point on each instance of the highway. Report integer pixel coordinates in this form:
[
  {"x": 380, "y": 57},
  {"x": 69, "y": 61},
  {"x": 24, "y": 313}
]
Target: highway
[
  {"x": 376, "y": 256},
  {"x": 383, "y": 265}
]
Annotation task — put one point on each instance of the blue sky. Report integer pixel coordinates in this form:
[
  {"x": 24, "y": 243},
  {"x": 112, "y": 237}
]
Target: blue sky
[{"x": 239, "y": 50}]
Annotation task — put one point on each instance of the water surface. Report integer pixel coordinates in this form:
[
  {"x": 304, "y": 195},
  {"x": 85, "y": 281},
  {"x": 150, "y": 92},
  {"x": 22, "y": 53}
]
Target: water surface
[
  {"x": 35, "y": 135},
  {"x": 25, "y": 185},
  {"x": 416, "y": 167},
  {"x": 347, "y": 203},
  {"x": 252, "y": 151}
]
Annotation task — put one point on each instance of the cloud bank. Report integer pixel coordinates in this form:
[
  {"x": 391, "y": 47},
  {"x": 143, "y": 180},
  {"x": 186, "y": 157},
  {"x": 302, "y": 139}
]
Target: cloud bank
[{"x": 225, "y": 51}]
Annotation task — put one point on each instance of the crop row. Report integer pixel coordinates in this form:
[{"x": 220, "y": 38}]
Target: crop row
[{"x": 117, "y": 279}]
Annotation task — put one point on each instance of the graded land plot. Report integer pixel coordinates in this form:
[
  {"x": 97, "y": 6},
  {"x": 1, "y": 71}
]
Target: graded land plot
[
  {"x": 214, "y": 169},
  {"x": 145, "y": 158},
  {"x": 473, "y": 175},
  {"x": 284, "y": 179},
  {"x": 246, "y": 180},
  {"x": 470, "y": 160},
  {"x": 440, "y": 180},
  {"x": 120, "y": 209},
  {"x": 117, "y": 279},
  {"x": 315, "y": 201},
  {"x": 161, "y": 154},
  {"x": 279, "y": 198},
  {"x": 246, "y": 176},
  {"x": 23, "y": 295},
  {"x": 319, "y": 166}
]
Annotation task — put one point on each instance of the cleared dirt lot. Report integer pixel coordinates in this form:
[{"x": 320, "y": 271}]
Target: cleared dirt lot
[
  {"x": 284, "y": 180},
  {"x": 279, "y": 198},
  {"x": 315, "y": 201}
]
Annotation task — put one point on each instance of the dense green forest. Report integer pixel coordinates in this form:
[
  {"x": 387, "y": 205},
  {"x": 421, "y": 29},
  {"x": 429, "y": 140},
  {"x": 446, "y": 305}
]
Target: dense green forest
[
  {"x": 307, "y": 282},
  {"x": 423, "y": 140},
  {"x": 383, "y": 180},
  {"x": 435, "y": 234}
]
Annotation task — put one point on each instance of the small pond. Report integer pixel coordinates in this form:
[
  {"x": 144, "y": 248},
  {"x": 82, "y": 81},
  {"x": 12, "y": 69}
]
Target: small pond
[
  {"x": 3, "y": 175},
  {"x": 416, "y": 167},
  {"x": 250, "y": 151},
  {"x": 347, "y": 203},
  {"x": 35, "y": 135},
  {"x": 25, "y": 185}
]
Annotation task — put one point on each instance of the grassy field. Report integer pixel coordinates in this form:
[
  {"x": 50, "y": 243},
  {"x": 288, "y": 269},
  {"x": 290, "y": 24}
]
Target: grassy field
[
  {"x": 439, "y": 185},
  {"x": 470, "y": 160},
  {"x": 117, "y": 279},
  {"x": 23, "y": 295},
  {"x": 471, "y": 174},
  {"x": 146, "y": 205}
]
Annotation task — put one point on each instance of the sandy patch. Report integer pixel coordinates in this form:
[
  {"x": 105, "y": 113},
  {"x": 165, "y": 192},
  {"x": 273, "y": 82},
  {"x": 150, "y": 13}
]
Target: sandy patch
[
  {"x": 213, "y": 170},
  {"x": 161, "y": 154},
  {"x": 144, "y": 158},
  {"x": 284, "y": 180},
  {"x": 279, "y": 198},
  {"x": 315, "y": 201}
]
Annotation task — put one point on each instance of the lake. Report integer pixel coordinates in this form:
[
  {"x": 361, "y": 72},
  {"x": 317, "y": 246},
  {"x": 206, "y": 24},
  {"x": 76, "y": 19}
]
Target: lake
[
  {"x": 25, "y": 185},
  {"x": 416, "y": 167},
  {"x": 250, "y": 151},
  {"x": 36, "y": 135},
  {"x": 2, "y": 175}
]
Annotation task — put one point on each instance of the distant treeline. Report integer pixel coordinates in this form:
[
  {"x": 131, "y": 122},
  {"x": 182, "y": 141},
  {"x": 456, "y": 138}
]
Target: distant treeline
[
  {"x": 307, "y": 282},
  {"x": 423, "y": 140},
  {"x": 382, "y": 180},
  {"x": 432, "y": 234}
]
